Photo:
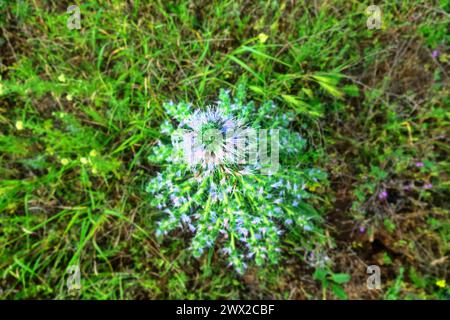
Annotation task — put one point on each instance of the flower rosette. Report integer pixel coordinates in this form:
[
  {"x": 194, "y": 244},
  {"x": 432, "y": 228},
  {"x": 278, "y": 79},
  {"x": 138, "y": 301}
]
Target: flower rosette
[{"x": 224, "y": 187}]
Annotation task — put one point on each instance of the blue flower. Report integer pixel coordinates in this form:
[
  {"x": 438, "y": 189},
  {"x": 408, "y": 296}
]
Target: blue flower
[
  {"x": 185, "y": 218},
  {"x": 256, "y": 221},
  {"x": 243, "y": 231}
]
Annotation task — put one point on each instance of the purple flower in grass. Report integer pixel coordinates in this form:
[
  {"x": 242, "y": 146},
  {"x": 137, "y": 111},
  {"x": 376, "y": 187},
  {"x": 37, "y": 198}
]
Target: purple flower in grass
[
  {"x": 256, "y": 221},
  {"x": 436, "y": 53},
  {"x": 243, "y": 231},
  {"x": 383, "y": 195}
]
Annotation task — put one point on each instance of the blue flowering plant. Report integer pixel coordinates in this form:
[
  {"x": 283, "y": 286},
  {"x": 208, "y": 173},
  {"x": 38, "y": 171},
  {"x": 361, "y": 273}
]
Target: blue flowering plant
[{"x": 221, "y": 180}]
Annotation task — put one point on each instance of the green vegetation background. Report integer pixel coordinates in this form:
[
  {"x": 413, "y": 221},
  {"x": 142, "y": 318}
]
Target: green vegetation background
[{"x": 79, "y": 112}]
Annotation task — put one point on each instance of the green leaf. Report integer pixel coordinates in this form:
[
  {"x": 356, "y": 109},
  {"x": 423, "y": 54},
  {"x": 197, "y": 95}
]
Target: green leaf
[
  {"x": 351, "y": 90},
  {"x": 340, "y": 277},
  {"x": 320, "y": 274},
  {"x": 257, "y": 90},
  {"x": 339, "y": 291},
  {"x": 300, "y": 105}
]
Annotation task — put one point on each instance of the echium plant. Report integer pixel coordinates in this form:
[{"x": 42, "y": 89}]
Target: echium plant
[{"x": 242, "y": 206}]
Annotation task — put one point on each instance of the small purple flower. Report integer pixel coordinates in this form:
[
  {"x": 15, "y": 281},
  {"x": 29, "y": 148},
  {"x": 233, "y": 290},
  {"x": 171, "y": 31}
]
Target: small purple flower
[
  {"x": 176, "y": 201},
  {"x": 436, "y": 53},
  {"x": 288, "y": 221},
  {"x": 243, "y": 231},
  {"x": 260, "y": 191},
  {"x": 383, "y": 195},
  {"x": 185, "y": 218},
  {"x": 362, "y": 229},
  {"x": 419, "y": 164},
  {"x": 428, "y": 186}
]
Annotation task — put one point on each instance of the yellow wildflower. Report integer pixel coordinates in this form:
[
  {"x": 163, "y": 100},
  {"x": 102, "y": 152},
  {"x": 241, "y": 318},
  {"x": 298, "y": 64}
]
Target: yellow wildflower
[
  {"x": 62, "y": 78},
  {"x": 83, "y": 160},
  {"x": 263, "y": 37},
  {"x": 19, "y": 125},
  {"x": 64, "y": 161},
  {"x": 441, "y": 283}
]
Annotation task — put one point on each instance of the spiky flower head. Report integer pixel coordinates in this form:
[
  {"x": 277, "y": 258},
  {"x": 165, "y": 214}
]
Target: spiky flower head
[
  {"x": 210, "y": 140},
  {"x": 240, "y": 206}
]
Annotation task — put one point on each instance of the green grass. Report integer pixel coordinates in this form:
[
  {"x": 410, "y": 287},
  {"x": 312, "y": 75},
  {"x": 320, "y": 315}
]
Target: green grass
[{"x": 80, "y": 112}]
